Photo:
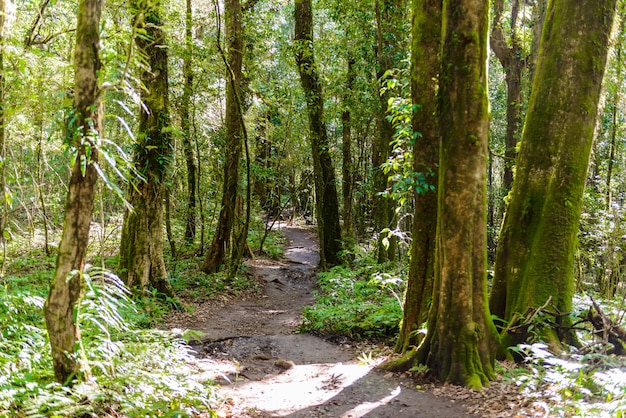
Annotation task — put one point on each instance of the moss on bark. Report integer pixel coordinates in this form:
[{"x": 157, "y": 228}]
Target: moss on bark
[
  {"x": 461, "y": 342},
  {"x": 425, "y": 67},
  {"x": 535, "y": 255},
  {"x": 327, "y": 202},
  {"x": 141, "y": 248}
]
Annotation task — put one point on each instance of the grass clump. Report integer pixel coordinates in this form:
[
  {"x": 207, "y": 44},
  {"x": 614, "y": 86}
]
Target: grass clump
[{"x": 358, "y": 302}]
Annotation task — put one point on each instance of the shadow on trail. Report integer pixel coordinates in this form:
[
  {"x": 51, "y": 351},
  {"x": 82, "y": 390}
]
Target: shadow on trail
[{"x": 267, "y": 370}]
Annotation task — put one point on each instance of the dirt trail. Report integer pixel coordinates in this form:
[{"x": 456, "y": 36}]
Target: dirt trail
[{"x": 269, "y": 371}]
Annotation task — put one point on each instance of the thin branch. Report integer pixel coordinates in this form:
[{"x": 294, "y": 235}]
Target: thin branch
[{"x": 248, "y": 5}]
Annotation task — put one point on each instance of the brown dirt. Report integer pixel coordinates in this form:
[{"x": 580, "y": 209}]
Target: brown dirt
[{"x": 264, "y": 369}]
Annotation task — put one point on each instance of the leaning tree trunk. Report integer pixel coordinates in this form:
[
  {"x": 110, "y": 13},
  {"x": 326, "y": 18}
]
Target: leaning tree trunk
[
  {"x": 535, "y": 255},
  {"x": 461, "y": 340},
  {"x": 65, "y": 291},
  {"x": 141, "y": 253},
  {"x": 425, "y": 69},
  {"x": 215, "y": 256},
  {"x": 327, "y": 204}
]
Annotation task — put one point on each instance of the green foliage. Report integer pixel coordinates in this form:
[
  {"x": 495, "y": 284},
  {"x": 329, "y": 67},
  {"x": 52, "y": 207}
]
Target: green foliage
[
  {"x": 191, "y": 284},
  {"x": 128, "y": 371},
  {"x": 589, "y": 385},
  {"x": 358, "y": 302},
  {"x": 404, "y": 179}
]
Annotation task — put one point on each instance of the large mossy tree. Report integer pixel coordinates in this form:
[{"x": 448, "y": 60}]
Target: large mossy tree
[
  {"x": 84, "y": 129},
  {"x": 327, "y": 202},
  {"x": 461, "y": 341},
  {"x": 142, "y": 263},
  {"x": 535, "y": 255}
]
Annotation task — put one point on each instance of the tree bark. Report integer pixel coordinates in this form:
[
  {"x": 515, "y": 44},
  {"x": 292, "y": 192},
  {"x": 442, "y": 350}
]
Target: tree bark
[
  {"x": 461, "y": 340},
  {"x": 346, "y": 168},
  {"x": 185, "y": 124},
  {"x": 215, "y": 256},
  {"x": 327, "y": 205},
  {"x": 141, "y": 250},
  {"x": 61, "y": 307},
  {"x": 535, "y": 255},
  {"x": 390, "y": 47},
  {"x": 425, "y": 68},
  {"x": 513, "y": 61}
]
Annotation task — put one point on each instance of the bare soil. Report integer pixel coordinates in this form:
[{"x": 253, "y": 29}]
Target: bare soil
[{"x": 265, "y": 369}]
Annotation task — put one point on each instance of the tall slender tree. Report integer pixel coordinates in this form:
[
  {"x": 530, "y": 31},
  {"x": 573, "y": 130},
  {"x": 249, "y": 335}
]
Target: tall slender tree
[
  {"x": 391, "y": 39},
  {"x": 535, "y": 255},
  {"x": 141, "y": 249},
  {"x": 425, "y": 69},
  {"x": 346, "y": 151},
  {"x": 85, "y": 127},
  {"x": 327, "y": 203},
  {"x": 217, "y": 251},
  {"x": 185, "y": 125}
]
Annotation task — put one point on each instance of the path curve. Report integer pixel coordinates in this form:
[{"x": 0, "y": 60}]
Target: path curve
[{"x": 267, "y": 370}]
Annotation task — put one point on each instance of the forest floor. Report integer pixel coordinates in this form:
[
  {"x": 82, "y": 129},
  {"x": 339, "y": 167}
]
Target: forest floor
[{"x": 263, "y": 368}]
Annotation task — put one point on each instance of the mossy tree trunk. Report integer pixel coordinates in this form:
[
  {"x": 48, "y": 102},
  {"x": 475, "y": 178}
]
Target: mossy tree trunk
[
  {"x": 461, "y": 341},
  {"x": 391, "y": 37},
  {"x": 141, "y": 249},
  {"x": 65, "y": 292},
  {"x": 216, "y": 254},
  {"x": 535, "y": 255},
  {"x": 425, "y": 67},
  {"x": 185, "y": 125},
  {"x": 327, "y": 204}
]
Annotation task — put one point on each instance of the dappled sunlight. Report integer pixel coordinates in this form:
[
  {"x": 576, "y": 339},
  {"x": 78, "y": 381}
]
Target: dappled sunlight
[
  {"x": 298, "y": 388},
  {"x": 367, "y": 407}
]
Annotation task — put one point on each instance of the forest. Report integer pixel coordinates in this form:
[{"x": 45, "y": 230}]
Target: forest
[{"x": 449, "y": 174}]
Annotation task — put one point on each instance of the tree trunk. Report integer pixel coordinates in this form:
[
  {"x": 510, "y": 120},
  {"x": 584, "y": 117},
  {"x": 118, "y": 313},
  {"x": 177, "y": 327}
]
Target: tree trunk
[
  {"x": 327, "y": 205},
  {"x": 461, "y": 340},
  {"x": 346, "y": 168},
  {"x": 535, "y": 255},
  {"x": 185, "y": 124},
  {"x": 513, "y": 60},
  {"x": 425, "y": 67},
  {"x": 390, "y": 50},
  {"x": 215, "y": 256},
  {"x": 141, "y": 250},
  {"x": 62, "y": 304}
]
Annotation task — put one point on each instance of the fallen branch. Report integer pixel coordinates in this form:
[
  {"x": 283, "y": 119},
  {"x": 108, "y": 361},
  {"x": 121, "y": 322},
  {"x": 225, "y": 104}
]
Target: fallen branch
[{"x": 610, "y": 331}]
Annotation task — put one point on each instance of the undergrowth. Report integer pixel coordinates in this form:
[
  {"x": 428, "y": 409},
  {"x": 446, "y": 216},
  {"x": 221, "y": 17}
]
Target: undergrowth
[
  {"x": 358, "y": 302},
  {"x": 128, "y": 371},
  {"x": 583, "y": 382}
]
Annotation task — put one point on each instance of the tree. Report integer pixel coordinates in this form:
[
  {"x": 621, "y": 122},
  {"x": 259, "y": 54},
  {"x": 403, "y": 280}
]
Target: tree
[
  {"x": 327, "y": 204},
  {"x": 535, "y": 255},
  {"x": 185, "y": 124},
  {"x": 390, "y": 47},
  {"x": 513, "y": 60},
  {"x": 85, "y": 126},
  {"x": 346, "y": 152},
  {"x": 461, "y": 342},
  {"x": 216, "y": 253},
  {"x": 424, "y": 71},
  {"x": 141, "y": 247}
]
